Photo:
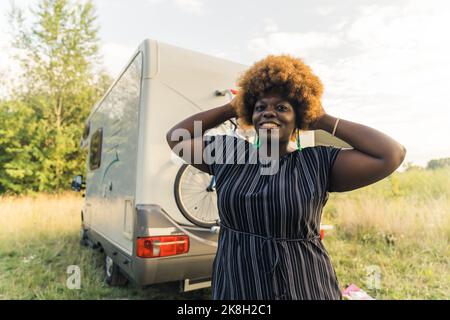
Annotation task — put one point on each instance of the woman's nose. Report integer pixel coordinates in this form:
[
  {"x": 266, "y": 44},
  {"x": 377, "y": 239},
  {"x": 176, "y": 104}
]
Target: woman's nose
[{"x": 269, "y": 113}]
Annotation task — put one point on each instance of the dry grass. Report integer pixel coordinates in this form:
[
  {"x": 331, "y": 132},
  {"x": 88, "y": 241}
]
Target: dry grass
[
  {"x": 401, "y": 224},
  {"x": 39, "y": 239},
  {"x": 409, "y": 218},
  {"x": 39, "y": 215},
  {"x": 412, "y": 205}
]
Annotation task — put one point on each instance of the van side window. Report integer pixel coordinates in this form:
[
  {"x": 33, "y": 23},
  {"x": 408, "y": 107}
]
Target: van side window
[{"x": 95, "y": 150}]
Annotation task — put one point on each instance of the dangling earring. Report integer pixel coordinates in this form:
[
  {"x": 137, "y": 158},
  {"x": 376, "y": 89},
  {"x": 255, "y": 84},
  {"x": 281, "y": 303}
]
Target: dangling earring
[
  {"x": 257, "y": 143},
  {"x": 299, "y": 147}
]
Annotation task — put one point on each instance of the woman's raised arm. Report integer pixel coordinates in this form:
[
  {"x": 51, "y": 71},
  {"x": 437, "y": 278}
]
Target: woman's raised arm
[
  {"x": 191, "y": 130},
  {"x": 374, "y": 155}
]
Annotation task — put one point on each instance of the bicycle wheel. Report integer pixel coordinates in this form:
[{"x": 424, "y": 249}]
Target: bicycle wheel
[{"x": 196, "y": 197}]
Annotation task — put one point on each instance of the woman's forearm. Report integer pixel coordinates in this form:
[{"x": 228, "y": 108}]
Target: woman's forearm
[
  {"x": 363, "y": 138},
  {"x": 209, "y": 119}
]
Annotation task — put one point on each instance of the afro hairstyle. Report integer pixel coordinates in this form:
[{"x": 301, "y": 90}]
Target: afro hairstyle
[{"x": 284, "y": 74}]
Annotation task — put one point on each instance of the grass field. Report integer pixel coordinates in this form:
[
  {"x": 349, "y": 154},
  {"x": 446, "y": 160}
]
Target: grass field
[{"x": 400, "y": 226}]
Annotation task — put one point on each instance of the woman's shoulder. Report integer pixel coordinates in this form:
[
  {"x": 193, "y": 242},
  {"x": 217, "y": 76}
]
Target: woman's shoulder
[
  {"x": 309, "y": 151},
  {"x": 320, "y": 155}
]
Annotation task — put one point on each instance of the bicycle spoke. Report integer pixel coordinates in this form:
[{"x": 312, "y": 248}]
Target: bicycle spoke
[{"x": 193, "y": 196}]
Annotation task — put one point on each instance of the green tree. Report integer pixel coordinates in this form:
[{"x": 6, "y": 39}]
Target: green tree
[
  {"x": 19, "y": 147},
  {"x": 438, "y": 163},
  {"x": 59, "y": 55}
]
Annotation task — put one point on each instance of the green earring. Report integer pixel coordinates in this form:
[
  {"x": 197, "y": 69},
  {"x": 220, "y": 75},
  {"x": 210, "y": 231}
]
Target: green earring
[
  {"x": 257, "y": 143},
  {"x": 299, "y": 147}
]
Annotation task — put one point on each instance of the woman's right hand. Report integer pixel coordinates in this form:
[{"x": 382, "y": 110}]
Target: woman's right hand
[
  {"x": 232, "y": 108},
  {"x": 209, "y": 119}
]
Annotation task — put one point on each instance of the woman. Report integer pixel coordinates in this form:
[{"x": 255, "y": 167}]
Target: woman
[{"x": 269, "y": 244}]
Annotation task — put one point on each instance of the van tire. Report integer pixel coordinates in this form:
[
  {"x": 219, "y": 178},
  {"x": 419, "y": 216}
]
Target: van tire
[
  {"x": 113, "y": 275},
  {"x": 84, "y": 240}
]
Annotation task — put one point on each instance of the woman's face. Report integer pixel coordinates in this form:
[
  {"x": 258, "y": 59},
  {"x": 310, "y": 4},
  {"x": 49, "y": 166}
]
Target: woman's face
[{"x": 275, "y": 116}]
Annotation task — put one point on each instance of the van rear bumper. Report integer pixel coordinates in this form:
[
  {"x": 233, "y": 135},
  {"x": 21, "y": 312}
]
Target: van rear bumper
[
  {"x": 159, "y": 270},
  {"x": 152, "y": 220}
]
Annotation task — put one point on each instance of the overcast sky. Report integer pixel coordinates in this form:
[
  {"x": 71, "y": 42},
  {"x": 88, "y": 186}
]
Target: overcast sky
[{"x": 385, "y": 64}]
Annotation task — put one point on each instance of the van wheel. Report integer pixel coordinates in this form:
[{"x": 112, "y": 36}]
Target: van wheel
[
  {"x": 195, "y": 196},
  {"x": 113, "y": 275},
  {"x": 84, "y": 241}
]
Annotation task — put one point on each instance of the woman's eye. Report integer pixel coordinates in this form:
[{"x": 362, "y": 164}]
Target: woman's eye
[{"x": 280, "y": 107}]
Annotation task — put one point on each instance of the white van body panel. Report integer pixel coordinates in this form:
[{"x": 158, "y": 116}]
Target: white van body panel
[
  {"x": 184, "y": 84},
  {"x": 111, "y": 189}
]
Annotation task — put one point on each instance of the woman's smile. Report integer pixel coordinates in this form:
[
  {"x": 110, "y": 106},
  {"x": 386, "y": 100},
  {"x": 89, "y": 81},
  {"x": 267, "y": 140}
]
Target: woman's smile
[{"x": 269, "y": 125}]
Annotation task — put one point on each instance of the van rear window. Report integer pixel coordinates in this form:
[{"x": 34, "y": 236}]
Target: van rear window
[{"x": 95, "y": 150}]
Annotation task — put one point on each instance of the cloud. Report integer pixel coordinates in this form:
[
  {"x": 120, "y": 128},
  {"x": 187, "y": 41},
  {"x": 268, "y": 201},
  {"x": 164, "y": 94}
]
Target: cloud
[
  {"x": 271, "y": 26},
  {"x": 302, "y": 44},
  {"x": 324, "y": 10},
  {"x": 115, "y": 56},
  {"x": 4, "y": 66},
  {"x": 401, "y": 74},
  {"x": 9, "y": 68},
  {"x": 4, "y": 46},
  {"x": 387, "y": 67},
  {"x": 399, "y": 57},
  {"x": 191, "y": 6},
  {"x": 195, "y": 7}
]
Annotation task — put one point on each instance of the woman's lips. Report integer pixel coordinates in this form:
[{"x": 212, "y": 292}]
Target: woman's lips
[{"x": 269, "y": 126}]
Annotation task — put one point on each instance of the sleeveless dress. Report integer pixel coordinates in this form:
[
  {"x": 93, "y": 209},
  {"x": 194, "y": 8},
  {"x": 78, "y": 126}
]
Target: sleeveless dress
[{"x": 269, "y": 244}]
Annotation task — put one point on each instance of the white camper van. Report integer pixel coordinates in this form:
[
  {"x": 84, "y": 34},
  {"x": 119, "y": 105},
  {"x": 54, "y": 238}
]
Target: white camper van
[{"x": 154, "y": 216}]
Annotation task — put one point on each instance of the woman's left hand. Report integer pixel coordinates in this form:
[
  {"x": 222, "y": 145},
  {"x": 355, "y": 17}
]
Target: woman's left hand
[{"x": 369, "y": 157}]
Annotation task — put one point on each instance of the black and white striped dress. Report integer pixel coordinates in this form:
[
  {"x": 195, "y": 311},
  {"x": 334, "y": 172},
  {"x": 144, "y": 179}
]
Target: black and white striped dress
[{"x": 269, "y": 242}]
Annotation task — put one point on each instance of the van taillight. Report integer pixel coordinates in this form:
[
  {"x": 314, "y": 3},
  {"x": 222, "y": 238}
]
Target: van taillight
[{"x": 162, "y": 246}]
